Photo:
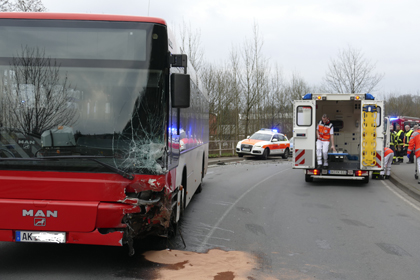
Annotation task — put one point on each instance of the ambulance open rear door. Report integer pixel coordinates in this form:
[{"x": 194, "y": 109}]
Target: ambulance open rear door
[
  {"x": 304, "y": 134},
  {"x": 372, "y": 135}
]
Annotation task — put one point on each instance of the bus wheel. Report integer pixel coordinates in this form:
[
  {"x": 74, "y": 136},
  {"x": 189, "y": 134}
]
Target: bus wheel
[
  {"x": 183, "y": 197},
  {"x": 200, "y": 187},
  {"x": 173, "y": 226}
]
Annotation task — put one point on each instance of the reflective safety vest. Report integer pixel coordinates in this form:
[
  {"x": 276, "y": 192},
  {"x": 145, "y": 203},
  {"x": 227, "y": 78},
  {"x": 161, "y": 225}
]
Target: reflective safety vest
[
  {"x": 407, "y": 137},
  {"x": 399, "y": 139},
  {"x": 387, "y": 151},
  {"x": 415, "y": 133},
  {"x": 414, "y": 146},
  {"x": 392, "y": 138},
  {"x": 324, "y": 130}
]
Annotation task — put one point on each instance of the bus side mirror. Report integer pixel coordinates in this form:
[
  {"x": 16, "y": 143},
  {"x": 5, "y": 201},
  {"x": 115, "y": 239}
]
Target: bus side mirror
[{"x": 180, "y": 90}]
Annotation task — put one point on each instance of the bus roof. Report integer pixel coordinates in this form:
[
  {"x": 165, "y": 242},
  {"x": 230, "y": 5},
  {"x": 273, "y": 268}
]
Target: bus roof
[{"x": 94, "y": 17}]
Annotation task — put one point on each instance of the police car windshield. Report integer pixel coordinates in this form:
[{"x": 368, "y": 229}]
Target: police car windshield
[{"x": 261, "y": 136}]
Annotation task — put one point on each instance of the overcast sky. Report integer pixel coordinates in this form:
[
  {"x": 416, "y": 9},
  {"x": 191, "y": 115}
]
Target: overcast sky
[{"x": 300, "y": 36}]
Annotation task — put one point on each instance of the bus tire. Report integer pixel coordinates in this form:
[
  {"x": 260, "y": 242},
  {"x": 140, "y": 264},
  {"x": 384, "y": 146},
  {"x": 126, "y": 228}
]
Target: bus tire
[
  {"x": 183, "y": 192},
  {"x": 173, "y": 226},
  {"x": 200, "y": 187}
]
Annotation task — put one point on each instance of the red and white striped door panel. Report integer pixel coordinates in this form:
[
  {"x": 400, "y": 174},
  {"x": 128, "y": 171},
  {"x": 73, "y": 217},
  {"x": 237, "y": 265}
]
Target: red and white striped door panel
[{"x": 303, "y": 158}]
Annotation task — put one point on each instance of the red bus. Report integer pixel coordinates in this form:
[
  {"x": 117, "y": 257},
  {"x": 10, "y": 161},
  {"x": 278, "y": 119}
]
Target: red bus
[
  {"x": 92, "y": 108},
  {"x": 403, "y": 121}
]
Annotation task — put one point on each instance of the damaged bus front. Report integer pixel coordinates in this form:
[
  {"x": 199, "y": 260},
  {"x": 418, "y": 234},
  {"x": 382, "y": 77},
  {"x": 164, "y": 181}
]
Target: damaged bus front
[{"x": 87, "y": 129}]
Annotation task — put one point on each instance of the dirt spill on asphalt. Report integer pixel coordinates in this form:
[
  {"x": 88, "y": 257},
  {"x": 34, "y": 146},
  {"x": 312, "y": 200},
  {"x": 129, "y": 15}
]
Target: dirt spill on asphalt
[{"x": 214, "y": 265}]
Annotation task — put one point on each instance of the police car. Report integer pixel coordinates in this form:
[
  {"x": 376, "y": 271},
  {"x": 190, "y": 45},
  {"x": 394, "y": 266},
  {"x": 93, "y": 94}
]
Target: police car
[{"x": 263, "y": 143}]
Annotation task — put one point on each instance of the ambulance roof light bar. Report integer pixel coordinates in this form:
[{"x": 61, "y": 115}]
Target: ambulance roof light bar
[
  {"x": 366, "y": 96},
  {"x": 369, "y": 96},
  {"x": 307, "y": 96}
]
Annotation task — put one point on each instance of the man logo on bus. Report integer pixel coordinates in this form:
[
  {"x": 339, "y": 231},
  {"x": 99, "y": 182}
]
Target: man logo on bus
[{"x": 39, "y": 213}]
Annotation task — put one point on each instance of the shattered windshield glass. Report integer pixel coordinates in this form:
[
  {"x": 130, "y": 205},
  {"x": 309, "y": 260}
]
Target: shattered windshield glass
[{"x": 83, "y": 89}]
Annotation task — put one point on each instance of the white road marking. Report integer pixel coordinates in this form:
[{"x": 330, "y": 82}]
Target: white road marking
[
  {"x": 216, "y": 226},
  {"x": 400, "y": 196}
]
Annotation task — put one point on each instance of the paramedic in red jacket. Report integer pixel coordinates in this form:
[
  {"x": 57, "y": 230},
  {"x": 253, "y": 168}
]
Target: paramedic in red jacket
[
  {"x": 324, "y": 134},
  {"x": 414, "y": 146},
  {"x": 388, "y": 157}
]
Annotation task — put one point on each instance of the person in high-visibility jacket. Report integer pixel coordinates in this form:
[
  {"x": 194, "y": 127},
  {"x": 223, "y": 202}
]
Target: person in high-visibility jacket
[
  {"x": 392, "y": 142},
  {"x": 416, "y": 131},
  {"x": 414, "y": 148},
  {"x": 407, "y": 136},
  {"x": 388, "y": 157},
  {"x": 399, "y": 143},
  {"x": 324, "y": 134}
]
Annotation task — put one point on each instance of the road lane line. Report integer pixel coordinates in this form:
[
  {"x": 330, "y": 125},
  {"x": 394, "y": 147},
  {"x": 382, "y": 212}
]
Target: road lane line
[
  {"x": 216, "y": 226},
  {"x": 400, "y": 196}
]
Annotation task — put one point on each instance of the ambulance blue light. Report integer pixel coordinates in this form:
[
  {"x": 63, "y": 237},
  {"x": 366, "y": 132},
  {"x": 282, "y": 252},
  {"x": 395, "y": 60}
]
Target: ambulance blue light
[
  {"x": 369, "y": 96},
  {"x": 393, "y": 119},
  {"x": 275, "y": 130},
  {"x": 307, "y": 96}
]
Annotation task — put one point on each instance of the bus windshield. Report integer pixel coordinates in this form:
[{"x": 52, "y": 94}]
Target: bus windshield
[{"x": 83, "y": 88}]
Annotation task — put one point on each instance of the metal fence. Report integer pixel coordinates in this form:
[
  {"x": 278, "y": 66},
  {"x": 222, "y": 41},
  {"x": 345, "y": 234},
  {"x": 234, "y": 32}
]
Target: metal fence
[{"x": 219, "y": 147}]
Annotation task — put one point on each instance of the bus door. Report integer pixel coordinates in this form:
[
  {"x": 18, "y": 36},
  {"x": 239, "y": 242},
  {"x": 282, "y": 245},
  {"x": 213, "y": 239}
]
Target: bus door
[{"x": 304, "y": 135}]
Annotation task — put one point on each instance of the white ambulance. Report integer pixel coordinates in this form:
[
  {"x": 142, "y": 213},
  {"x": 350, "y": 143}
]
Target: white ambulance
[{"x": 358, "y": 122}]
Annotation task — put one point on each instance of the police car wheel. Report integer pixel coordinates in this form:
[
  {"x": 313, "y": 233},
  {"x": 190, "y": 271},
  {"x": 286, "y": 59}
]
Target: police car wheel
[
  {"x": 286, "y": 154},
  {"x": 265, "y": 154}
]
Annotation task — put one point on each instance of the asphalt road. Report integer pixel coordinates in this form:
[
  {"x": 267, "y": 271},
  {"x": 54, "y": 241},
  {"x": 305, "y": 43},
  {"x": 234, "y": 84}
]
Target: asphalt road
[{"x": 293, "y": 229}]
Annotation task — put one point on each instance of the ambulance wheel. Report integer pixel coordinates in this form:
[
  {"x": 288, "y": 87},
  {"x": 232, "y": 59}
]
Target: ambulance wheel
[
  {"x": 286, "y": 154},
  {"x": 265, "y": 154},
  {"x": 240, "y": 155},
  {"x": 308, "y": 178},
  {"x": 416, "y": 176},
  {"x": 366, "y": 180}
]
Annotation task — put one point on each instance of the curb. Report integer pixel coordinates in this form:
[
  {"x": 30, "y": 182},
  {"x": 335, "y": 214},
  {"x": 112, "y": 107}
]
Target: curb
[{"x": 404, "y": 187}]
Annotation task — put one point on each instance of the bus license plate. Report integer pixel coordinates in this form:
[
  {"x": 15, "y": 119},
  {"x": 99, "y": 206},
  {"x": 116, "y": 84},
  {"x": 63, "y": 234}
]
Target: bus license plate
[
  {"x": 40, "y": 236},
  {"x": 338, "y": 172}
]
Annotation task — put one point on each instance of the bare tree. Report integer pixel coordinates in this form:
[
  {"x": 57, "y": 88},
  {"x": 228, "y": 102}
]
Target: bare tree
[
  {"x": 252, "y": 78},
  {"x": 5, "y": 6},
  {"x": 35, "y": 96},
  {"x": 236, "y": 91},
  {"x": 397, "y": 104},
  {"x": 28, "y": 6},
  {"x": 274, "y": 105},
  {"x": 191, "y": 45},
  {"x": 350, "y": 72}
]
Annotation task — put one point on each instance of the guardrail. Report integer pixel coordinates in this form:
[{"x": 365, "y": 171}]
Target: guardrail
[{"x": 217, "y": 147}]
